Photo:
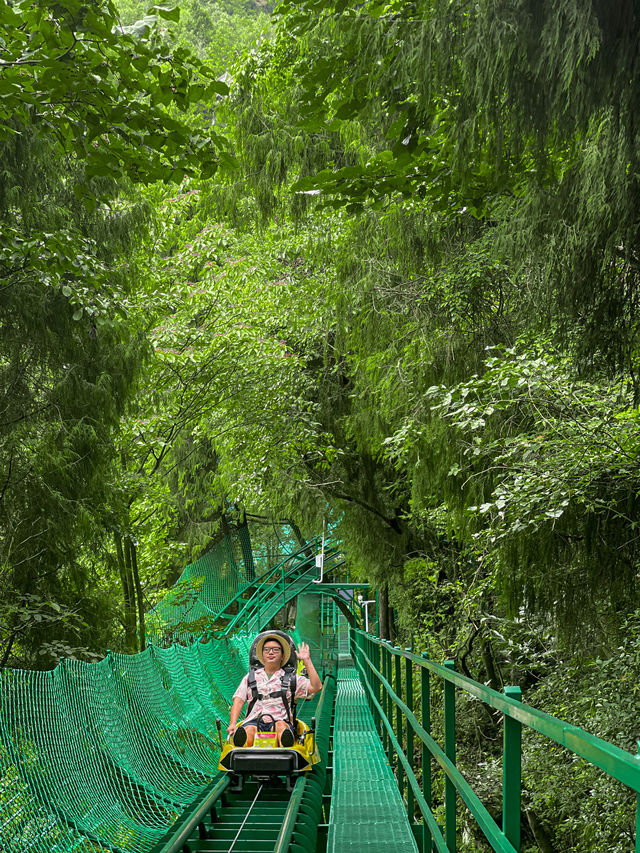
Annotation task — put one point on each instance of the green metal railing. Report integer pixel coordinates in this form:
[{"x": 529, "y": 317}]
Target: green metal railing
[
  {"x": 303, "y": 554},
  {"x": 276, "y": 589},
  {"x": 389, "y": 676}
]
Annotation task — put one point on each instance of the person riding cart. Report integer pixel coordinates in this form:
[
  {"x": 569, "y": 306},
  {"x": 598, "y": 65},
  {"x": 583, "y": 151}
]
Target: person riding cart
[{"x": 271, "y": 687}]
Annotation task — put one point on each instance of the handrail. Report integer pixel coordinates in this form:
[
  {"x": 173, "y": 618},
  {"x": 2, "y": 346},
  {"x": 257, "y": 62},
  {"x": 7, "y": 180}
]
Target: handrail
[
  {"x": 265, "y": 580},
  {"x": 615, "y": 761},
  {"x": 468, "y": 795},
  {"x": 267, "y": 574},
  {"x": 375, "y": 658},
  {"x": 273, "y": 602},
  {"x": 254, "y": 603}
]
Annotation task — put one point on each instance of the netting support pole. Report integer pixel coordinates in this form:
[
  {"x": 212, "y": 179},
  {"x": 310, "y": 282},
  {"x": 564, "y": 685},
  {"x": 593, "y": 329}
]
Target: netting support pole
[
  {"x": 425, "y": 699},
  {"x": 408, "y": 677}
]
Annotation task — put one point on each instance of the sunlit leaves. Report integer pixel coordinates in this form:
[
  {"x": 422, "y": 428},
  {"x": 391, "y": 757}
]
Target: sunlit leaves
[{"x": 99, "y": 89}]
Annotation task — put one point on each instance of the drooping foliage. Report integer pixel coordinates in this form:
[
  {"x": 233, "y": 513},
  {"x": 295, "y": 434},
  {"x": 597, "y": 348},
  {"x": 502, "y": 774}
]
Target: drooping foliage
[
  {"x": 88, "y": 109},
  {"x": 406, "y": 304}
]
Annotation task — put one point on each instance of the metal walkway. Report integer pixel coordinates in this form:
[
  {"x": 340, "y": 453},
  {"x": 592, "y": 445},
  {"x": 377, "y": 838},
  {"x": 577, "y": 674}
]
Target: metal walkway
[{"x": 367, "y": 811}]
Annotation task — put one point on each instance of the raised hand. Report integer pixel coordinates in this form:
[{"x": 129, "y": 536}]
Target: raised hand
[{"x": 303, "y": 652}]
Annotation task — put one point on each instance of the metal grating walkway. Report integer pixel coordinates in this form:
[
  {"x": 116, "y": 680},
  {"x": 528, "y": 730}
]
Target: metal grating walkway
[{"x": 367, "y": 812}]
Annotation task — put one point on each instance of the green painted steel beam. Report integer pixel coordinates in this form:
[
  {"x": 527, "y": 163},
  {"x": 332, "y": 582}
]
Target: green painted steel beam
[
  {"x": 512, "y": 773},
  {"x": 191, "y": 818},
  {"x": 324, "y": 587},
  {"x": 290, "y": 818}
]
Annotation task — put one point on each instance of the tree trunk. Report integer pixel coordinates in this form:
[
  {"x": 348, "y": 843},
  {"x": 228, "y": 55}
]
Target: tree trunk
[
  {"x": 128, "y": 595},
  {"x": 247, "y": 550},
  {"x": 489, "y": 665},
  {"x": 539, "y": 833},
  {"x": 7, "y": 651},
  {"x": 138, "y": 588},
  {"x": 393, "y": 633},
  {"x": 296, "y": 532},
  {"x": 384, "y": 612},
  {"x": 132, "y": 595}
]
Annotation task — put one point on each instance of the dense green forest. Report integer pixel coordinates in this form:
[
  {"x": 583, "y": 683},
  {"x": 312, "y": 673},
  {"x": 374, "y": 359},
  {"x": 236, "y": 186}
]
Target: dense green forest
[{"x": 375, "y": 264}]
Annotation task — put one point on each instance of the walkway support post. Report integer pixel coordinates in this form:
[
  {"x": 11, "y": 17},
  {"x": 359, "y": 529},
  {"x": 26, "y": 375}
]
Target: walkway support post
[
  {"x": 351, "y": 636},
  {"x": 399, "y": 734},
  {"x": 512, "y": 773},
  {"x": 377, "y": 687},
  {"x": 450, "y": 752},
  {"x": 408, "y": 678},
  {"x": 388, "y": 703}
]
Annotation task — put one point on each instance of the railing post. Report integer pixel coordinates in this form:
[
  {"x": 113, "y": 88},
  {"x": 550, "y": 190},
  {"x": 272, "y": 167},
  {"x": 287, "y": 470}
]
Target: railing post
[
  {"x": 377, "y": 687},
  {"x": 408, "y": 677},
  {"x": 370, "y": 677},
  {"x": 398, "y": 689},
  {"x": 322, "y": 632},
  {"x": 450, "y": 752},
  {"x": 425, "y": 698},
  {"x": 387, "y": 702},
  {"x": 512, "y": 773}
]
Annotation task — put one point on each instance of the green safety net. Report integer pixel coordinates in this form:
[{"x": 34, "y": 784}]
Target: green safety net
[
  {"x": 106, "y": 756},
  {"x": 194, "y": 604}
]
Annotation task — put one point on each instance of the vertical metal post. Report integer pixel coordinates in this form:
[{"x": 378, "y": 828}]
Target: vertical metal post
[
  {"x": 283, "y": 586},
  {"x": 512, "y": 773},
  {"x": 425, "y": 698},
  {"x": 450, "y": 752},
  {"x": 383, "y": 694},
  {"x": 387, "y": 699},
  {"x": 357, "y": 640},
  {"x": 398, "y": 689},
  {"x": 322, "y": 630},
  {"x": 377, "y": 613},
  {"x": 377, "y": 686},
  {"x": 408, "y": 678}
]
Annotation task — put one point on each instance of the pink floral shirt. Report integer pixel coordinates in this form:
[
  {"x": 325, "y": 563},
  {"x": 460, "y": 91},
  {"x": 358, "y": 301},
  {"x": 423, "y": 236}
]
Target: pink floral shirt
[{"x": 266, "y": 684}]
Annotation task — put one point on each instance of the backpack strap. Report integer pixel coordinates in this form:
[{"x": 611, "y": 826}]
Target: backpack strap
[
  {"x": 289, "y": 681},
  {"x": 253, "y": 687}
]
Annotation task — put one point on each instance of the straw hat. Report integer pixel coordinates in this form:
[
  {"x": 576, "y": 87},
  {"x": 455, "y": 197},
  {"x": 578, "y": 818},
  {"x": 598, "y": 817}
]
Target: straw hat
[{"x": 283, "y": 640}]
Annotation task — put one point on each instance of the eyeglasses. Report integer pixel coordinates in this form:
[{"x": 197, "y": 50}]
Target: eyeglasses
[{"x": 272, "y": 650}]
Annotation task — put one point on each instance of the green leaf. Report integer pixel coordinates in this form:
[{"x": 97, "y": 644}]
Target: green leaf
[{"x": 170, "y": 13}]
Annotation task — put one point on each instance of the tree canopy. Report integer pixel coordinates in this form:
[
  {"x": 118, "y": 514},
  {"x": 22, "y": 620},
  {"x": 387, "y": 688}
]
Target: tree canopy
[{"x": 372, "y": 263}]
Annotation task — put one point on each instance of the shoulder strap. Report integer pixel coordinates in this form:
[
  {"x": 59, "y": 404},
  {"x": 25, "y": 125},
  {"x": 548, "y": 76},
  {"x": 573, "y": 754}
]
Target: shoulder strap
[
  {"x": 253, "y": 687},
  {"x": 287, "y": 681}
]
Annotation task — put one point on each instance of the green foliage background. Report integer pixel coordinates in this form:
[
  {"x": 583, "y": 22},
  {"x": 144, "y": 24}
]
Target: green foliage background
[{"x": 373, "y": 264}]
